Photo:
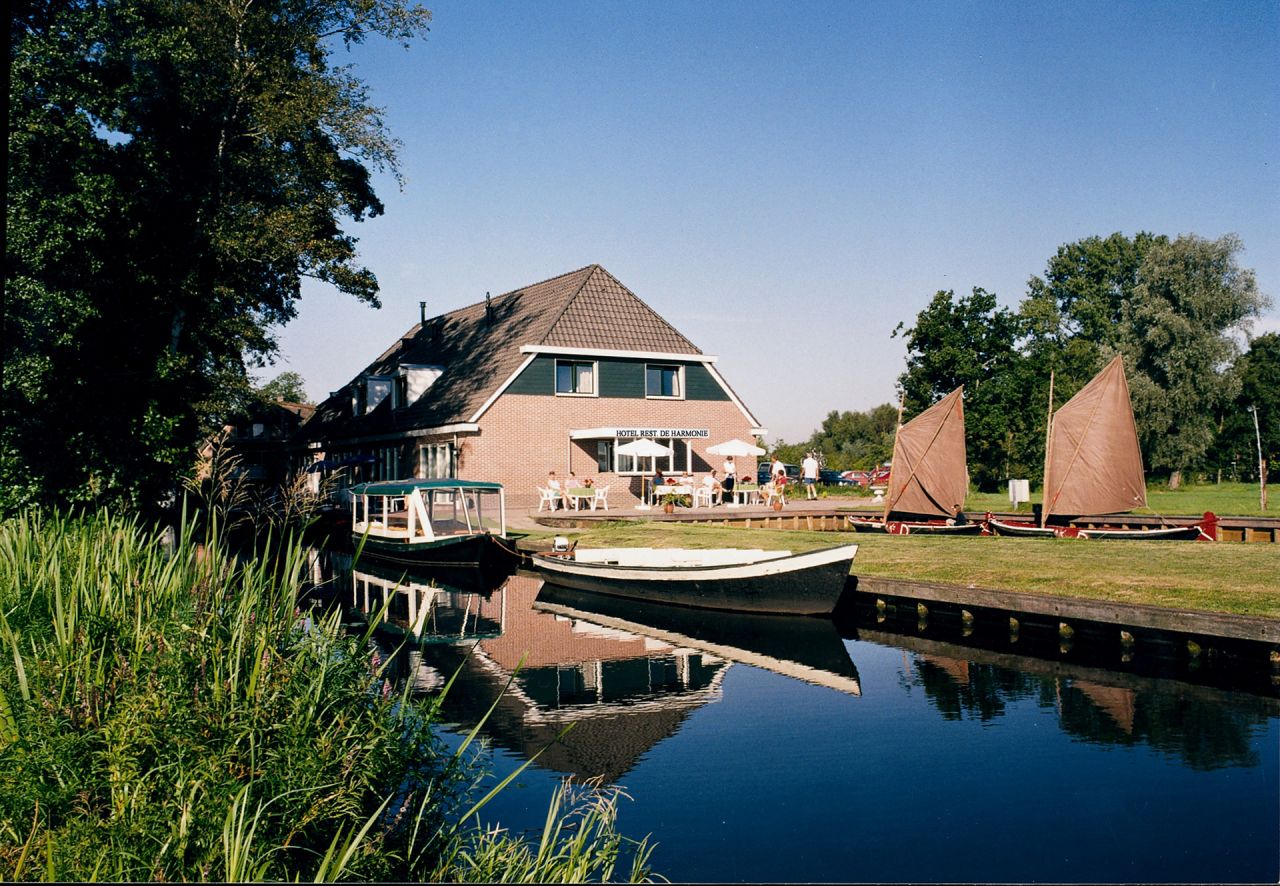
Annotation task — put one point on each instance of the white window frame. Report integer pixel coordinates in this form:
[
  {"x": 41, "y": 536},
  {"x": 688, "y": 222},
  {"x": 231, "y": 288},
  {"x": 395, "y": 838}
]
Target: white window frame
[
  {"x": 666, "y": 462},
  {"x": 432, "y": 457},
  {"x": 595, "y": 378},
  {"x": 678, "y": 367}
]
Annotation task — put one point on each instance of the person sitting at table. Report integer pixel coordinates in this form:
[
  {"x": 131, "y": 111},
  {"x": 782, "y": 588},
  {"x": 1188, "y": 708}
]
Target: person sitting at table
[
  {"x": 658, "y": 480},
  {"x": 553, "y": 483},
  {"x": 712, "y": 482}
]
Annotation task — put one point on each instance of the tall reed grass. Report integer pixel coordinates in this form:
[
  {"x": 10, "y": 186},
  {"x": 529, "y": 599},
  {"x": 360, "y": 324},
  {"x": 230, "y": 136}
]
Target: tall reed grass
[{"x": 168, "y": 713}]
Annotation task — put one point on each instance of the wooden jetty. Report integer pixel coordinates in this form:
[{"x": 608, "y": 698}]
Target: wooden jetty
[{"x": 823, "y": 516}]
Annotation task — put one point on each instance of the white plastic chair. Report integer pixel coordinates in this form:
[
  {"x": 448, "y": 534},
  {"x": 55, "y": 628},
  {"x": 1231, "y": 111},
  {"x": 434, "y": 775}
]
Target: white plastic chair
[
  {"x": 775, "y": 493},
  {"x": 702, "y": 496},
  {"x": 548, "y": 497},
  {"x": 601, "y": 499}
]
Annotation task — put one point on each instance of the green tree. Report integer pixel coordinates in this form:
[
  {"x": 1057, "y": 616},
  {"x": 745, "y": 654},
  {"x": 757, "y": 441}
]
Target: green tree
[
  {"x": 1178, "y": 333},
  {"x": 288, "y": 386},
  {"x": 176, "y": 167},
  {"x": 849, "y": 440},
  {"x": 971, "y": 341},
  {"x": 1237, "y": 443}
]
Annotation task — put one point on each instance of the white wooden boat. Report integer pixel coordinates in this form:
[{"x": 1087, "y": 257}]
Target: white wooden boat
[
  {"x": 439, "y": 523},
  {"x": 736, "y": 579}
]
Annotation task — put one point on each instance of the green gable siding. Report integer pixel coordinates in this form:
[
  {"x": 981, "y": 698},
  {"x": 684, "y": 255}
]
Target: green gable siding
[
  {"x": 539, "y": 377},
  {"x": 617, "y": 378},
  {"x": 700, "y": 384}
]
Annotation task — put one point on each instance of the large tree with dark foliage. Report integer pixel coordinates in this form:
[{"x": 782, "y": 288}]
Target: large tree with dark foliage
[
  {"x": 1258, "y": 371},
  {"x": 1173, "y": 308},
  {"x": 970, "y": 341},
  {"x": 176, "y": 167}
]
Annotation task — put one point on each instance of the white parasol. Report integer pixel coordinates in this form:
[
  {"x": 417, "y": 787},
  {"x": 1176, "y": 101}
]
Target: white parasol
[
  {"x": 644, "y": 448},
  {"x": 735, "y": 447}
]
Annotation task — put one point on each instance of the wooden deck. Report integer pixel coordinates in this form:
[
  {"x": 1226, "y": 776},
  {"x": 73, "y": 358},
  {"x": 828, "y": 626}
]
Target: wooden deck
[{"x": 822, "y": 516}]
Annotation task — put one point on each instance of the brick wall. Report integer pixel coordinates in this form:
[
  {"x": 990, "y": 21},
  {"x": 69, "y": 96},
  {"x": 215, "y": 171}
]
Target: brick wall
[{"x": 522, "y": 437}]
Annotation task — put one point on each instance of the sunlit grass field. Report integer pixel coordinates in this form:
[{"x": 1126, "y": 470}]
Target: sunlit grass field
[
  {"x": 1243, "y": 579},
  {"x": 1224, "y": 499}
]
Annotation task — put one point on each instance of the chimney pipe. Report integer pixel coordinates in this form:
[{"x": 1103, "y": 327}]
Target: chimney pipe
[
  {"x": 488, "y": 308},
  {"x": 422, "y": 309}
]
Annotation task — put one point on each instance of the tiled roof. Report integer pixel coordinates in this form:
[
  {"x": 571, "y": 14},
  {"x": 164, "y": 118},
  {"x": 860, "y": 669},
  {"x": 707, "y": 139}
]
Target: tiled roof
[{"x": 587, "y": 308}]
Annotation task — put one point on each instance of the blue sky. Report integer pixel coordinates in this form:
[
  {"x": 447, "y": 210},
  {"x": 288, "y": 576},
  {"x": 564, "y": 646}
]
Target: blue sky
[{"x": 785, "y": 183}]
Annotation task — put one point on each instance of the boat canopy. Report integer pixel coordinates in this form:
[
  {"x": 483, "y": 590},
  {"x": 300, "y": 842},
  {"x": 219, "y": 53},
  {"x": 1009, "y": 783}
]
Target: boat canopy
[
  {"x": 406, "y": 487},
  {"x": 929, "y": 473}
]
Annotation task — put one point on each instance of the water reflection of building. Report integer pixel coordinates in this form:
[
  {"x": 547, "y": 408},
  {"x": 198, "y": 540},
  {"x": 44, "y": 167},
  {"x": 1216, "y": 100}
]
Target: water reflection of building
[
  {"x": 623, "y": 693},
  {"x": 625, "y": 676}
]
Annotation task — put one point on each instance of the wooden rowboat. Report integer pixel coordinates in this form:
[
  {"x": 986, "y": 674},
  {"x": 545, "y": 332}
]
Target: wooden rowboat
[
  {"x": 732, "y": 579},
  {"x": 1204, "y": 530},
  {"x": 913, "y": 527}
]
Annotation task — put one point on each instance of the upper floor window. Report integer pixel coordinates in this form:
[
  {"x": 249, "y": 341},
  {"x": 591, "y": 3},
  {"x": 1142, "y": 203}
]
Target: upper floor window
[
  {"x": 377, "y": 389},
  {"x": 663, "y": 381},
  {"x": 573, "y": 377}
]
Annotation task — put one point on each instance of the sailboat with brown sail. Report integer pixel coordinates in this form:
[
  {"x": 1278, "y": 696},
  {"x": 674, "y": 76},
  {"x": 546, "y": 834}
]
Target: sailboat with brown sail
[
  {"x": 928, "y": 476},
  {"x": 1093, "y": 468}
]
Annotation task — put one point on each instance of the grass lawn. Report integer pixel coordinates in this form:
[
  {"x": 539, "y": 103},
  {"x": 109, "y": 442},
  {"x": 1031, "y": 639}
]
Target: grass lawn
[
  {"x": 1243, "y": 579},
  {"x": 1224, "y": 499}
]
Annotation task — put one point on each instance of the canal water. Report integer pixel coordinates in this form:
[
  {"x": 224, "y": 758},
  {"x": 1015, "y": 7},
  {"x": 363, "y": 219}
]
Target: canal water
[{"x": 759, "y": 748}]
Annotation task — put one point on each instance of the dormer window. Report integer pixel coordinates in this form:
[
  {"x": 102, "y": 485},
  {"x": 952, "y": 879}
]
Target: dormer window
[
  {"x": 412, "y": 381},
  {"x": 377, "y": 389}
]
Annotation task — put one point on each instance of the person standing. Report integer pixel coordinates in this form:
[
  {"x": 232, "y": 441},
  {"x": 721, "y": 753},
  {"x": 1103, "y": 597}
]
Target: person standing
[
  {"x": 730, "y": 476},
  {"x": 778, "y": 468},
  {"x": 809, "y": 471}
]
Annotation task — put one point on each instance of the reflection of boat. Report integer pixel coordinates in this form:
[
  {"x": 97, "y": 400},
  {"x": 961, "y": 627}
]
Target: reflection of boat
[
  {"x": 452, "y": 523},
  {"x": 928, "y": 477},
  {"x": 807, "y": 649},
  {"x": 417, "y": 605},
  {"x": 1093, "y": 467},
  {"x": 724, "y": 578}
]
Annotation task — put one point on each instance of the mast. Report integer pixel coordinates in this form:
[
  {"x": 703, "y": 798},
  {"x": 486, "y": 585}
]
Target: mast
[
  {"x": 1048, "y": 429},
  {"x": 893, "y": 463}
]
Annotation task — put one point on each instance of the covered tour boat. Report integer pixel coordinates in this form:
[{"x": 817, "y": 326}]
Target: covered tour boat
[
  {"x": 735, "y": 579},
  {"x": 440, "y": 523}
]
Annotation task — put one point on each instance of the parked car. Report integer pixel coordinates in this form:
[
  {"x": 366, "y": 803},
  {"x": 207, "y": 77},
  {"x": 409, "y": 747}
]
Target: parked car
[
  {"x": 762, "y": 472},
  {"x": 829, "y": 477},
  {"x": 877, "y": 477}
]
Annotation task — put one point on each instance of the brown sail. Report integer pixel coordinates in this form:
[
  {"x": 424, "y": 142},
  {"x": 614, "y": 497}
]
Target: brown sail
[
  {"x": 1093, "y": 464},
  {"x": 929, "y": 473}
]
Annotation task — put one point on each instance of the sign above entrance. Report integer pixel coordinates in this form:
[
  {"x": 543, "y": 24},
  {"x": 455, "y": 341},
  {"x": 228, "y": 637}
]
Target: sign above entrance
[{"x": 665, "y": 433}]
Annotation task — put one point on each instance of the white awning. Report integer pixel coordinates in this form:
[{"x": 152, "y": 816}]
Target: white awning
[{"x": 594, "y": 434}]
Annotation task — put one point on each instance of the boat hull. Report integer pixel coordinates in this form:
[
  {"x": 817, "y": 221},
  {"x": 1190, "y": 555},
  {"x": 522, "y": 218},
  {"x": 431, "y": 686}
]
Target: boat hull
[
  {"x": 912, "y": 527},
  {"x": 802, "y": 584},
  {"x": 1015, "y": 529},
  {"x": 464, "y": 556}
]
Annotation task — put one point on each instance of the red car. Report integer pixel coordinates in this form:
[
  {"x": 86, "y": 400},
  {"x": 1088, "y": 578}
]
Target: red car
[{"x": 877, "y": 477}]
